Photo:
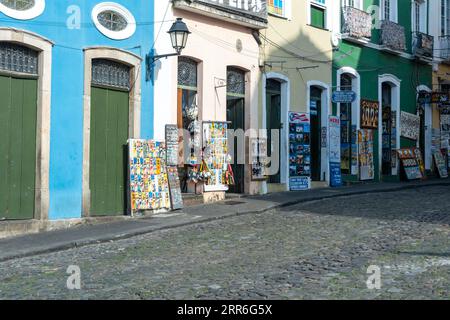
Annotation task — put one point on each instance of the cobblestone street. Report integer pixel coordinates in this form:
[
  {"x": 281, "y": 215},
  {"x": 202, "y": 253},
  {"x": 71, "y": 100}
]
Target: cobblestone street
[{"x": 316, "y": 250}]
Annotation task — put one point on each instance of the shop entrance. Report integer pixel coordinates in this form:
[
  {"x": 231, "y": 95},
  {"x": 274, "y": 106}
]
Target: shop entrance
[
  {"x": 18, "y": 111},
  {"x": 236, "y": 119},
  {"x": 316, "y": 132},
  {"x": 346, "y": 126},
  {"x": 386, "y": 128},
  {"x": 109, "y": 135},
  {"x": 273, "y": 112}
]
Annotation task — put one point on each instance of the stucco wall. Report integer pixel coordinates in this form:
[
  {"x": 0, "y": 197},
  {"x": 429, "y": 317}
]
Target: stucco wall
[{"x": 66, "y": 142}]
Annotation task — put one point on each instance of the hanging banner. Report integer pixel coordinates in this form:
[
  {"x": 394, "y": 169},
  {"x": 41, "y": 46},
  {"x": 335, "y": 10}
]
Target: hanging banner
[
  {"x": 441, "y": 164},
  {"x": 172, "y": 145},
  {"x": 334, "y": 126},
  {"x": 215, "y": 155},
  {"x": 366, "y": 155},
  {"x": 259, "y": 158},
  {"x": 148, "y": 181},
  {"x": 410, "y": 126},
  {"x": 410, "y": 163},
  {"x": 299, "y": 151},
  {"x": 369, "y": 114}
]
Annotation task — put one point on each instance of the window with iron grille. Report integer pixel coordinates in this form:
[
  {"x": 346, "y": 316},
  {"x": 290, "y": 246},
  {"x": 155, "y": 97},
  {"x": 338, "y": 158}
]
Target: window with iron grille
[
  {"x": 19, "y": 5},
  {"x": 235, "y": 82},
  {"x": 112, "y": 20},
  {"x": 107, "y": 73},
  {"x": 17, "y": 58},
  {"x": 187, "y": 73}
]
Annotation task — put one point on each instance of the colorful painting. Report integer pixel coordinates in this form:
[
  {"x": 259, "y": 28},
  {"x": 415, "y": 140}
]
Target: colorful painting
[
  {"x": 410, "y": 126},
  {"x": 366, "y": 154},
  {"x": 411, "y": 163},
  {"x": 369, "y": 114},
  {"x": 148, "y": 180},
  {"x": 299, "y": 151}
]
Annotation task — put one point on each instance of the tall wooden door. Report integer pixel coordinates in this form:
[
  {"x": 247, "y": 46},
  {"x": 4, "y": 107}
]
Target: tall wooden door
[
  {"x": 273, "y": 112},
  {"x": 108, "y": 151},
  {"x": 235, "y": 115},
  {"x": 18, "y": 110}
]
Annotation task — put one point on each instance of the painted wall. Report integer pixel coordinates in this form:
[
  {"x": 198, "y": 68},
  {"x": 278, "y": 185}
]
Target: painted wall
[
  {"x": 213, "y": 44},
  {"x": 370, "y": 63},
  {"x": 67, "y": 87}
]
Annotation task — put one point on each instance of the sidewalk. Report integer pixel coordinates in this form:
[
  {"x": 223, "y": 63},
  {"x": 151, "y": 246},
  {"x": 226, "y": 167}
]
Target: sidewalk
[{"x": 35, "y": 244}]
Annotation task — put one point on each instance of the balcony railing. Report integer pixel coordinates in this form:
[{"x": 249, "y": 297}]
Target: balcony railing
[
  {"x": 445, "y": 48},
  {"x": 357, "y": 23},
  {"x": 392, "y": 36},
  {"x": 423, "y": 45}
]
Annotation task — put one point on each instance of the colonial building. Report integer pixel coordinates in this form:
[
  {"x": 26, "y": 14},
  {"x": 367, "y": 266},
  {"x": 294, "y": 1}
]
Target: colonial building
[
  {"x": 216, "y": 79},
  {"x": 73, "y": 91},
  {"x": 296, "y": 63},
  {"x": 384, "y": 55}
]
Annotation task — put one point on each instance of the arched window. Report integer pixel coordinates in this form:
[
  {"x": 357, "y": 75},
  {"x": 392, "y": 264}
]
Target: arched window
[{"x": 22, "y": 9}]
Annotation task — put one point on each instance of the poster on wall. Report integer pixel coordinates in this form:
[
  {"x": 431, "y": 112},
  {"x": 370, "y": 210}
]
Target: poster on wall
[
  {"x": 410, "y": 163},
  {"x": 172, "y": 145},
  {"x": 410, "y": 126},
  {"x": 299, "y": 151},
  {"x": 148, "y": 180},
  {"x": 215, "y": 155},
  {"x": 354, "y": 150},
  {"x": 176, "y": 197},
  {"x": 335, "y": 151},
  {"x": 259, "y": 158},
  {"x": 369, "y": 114},
  {"x": 366, "y": 154},
  {"x": 441, "y": 164}
]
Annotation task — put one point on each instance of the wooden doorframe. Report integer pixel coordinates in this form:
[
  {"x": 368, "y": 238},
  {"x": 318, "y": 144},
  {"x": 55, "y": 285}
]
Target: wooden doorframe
[
  {"x": 134, "y": 62},
  {"x": 44, "y": 48}
]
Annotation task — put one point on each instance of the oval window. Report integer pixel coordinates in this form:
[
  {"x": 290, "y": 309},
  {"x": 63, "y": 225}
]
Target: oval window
[
  {"x": 113, "y": 20},
  {"x": 22, "y": 9}
]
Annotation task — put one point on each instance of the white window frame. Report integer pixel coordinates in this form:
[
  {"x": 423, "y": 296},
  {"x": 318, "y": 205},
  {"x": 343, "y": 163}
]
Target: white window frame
[
  {"x": 443, "y": 15},
  {"x": 321, "y": 6},
  {"x": 422, "y": 16},
  {"x": 115, "y": 35},
  {"x": 33, "y": 12},
  {"x": 393, "y": 14},
  {"x": 359, "y": 4}
]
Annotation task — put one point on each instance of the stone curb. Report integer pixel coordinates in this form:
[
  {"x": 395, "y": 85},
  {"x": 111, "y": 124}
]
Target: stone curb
[{"x": 148, "y": 230}]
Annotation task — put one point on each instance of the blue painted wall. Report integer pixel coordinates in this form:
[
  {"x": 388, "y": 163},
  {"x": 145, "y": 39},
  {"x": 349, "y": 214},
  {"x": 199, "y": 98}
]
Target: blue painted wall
[{"x": 66, "y": 144}]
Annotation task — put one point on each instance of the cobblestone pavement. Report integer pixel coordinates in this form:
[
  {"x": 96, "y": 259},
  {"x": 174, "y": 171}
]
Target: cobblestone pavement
[{"x": 318, "y": 250}]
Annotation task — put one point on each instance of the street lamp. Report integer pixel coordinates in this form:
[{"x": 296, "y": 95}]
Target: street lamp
[{"x": 179, "y": 34}]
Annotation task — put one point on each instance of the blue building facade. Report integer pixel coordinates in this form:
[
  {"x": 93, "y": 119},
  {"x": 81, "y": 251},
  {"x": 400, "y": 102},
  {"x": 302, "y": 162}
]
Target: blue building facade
[{"x": 79, "y": 33}]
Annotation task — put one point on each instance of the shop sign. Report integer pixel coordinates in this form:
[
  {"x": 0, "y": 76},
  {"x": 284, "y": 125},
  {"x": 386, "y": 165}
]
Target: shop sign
[
  {"x": 440, "y": 164},
  {"x": 410, "y": 126},
  {"x": 344, "y": 96},
  {"x": 313, "y": 108},
  {"x": 366, "y": 154},
  {"x": 410, "y": 161},
  {"x": 439, "y": 97},
  {"x": 369, "y": 114},
  {"x": 299, "y": 151},
  {"x": 335, "y": 151}
]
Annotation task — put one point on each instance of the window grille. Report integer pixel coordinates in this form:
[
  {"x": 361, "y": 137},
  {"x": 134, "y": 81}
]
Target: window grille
[
  {"x": 187, "y": 72},
  {"x": 17, "y": 58},
  {"x": 19, "y": 5},
  {"x": 235, "y": 82},
  {"x": 111, "y": 74}
]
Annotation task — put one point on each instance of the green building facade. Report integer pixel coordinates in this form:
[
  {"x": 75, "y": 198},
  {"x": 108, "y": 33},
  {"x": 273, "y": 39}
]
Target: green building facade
[{"x": 383, "y": 53}]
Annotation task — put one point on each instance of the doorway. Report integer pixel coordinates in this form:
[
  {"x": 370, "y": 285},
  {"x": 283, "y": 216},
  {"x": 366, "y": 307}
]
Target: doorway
[
  {"x": 18, "y": 114},
  {"x": 273, "y": 112},
  {"x": 316, "y": 132},
  {"x": 110, "y": 100},
  {"x": 426, "y": 125},
  {"x": 386, "y": 133},
  {"x": 236, "y": 120},
  {"x": 346, "y": 116}
]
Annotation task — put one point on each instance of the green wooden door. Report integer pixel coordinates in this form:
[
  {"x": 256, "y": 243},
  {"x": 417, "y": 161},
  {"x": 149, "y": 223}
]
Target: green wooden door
[
  {"x": 236, "y": 117},
  {"x": 108, "y": 157},
  {"x": 273, "y": 102},
  {"x": 18, "y": 110}
]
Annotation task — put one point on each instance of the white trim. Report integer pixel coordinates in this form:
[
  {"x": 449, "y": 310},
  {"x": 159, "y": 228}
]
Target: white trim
[
  {"x": 396, "y": 82},
  {"x": 356, "y": 110},
  {"x": 328, "y": 15},
  {"x": 33, "y": 12},
  {"x": 326, "y": 112},
  {"x": 115, "y": 35},
  {"x": 285, "y": 105},
  {"x": 393, "y": 10}
]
